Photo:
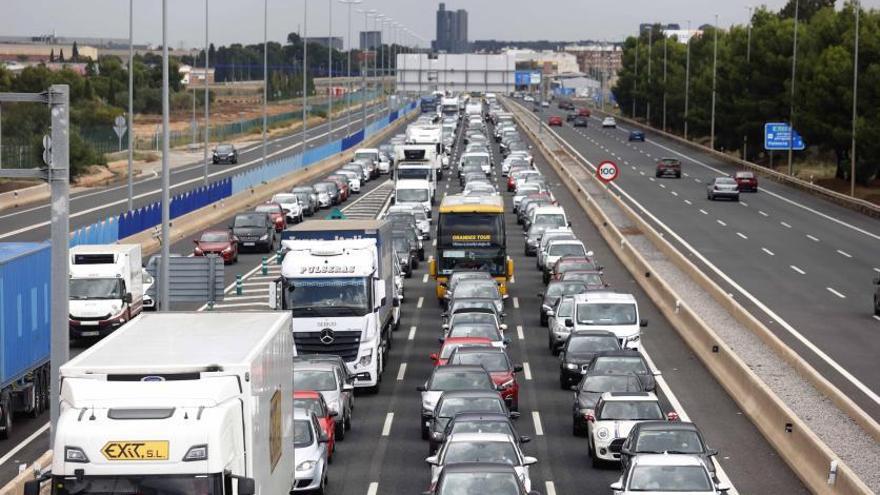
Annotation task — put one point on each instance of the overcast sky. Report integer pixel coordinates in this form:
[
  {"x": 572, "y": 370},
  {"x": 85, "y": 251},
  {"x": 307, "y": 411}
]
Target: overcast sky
[{"x": 242, "y": 20}]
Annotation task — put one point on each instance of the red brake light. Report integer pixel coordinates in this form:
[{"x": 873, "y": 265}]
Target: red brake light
[
  {"x": 672, "y": 416},
  {"x": 589, "y": 417}
]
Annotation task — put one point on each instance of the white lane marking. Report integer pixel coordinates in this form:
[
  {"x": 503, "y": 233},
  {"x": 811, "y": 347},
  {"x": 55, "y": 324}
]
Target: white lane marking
[
  {"x": 844, "y": 253},
  {"x": 412, "y": 333},
  {"x": 642, "y": 172},
  {"x": 513, "y": 279},
  {"x": 550, "y": 488},
  {"x": 673, "y": 193},
  {"x": 685, "y": 174},
  {"x": 652, "y": 179},
  {"x": 744, "y": 203},
  {"x": 721, "y": 223},
  {"x": 516, "y": 303},
  {"x": 877, "y": 317},
  {"x": 434, "y": 242},
  {"x": 771, "y": 253},
  {"x": 798, "y": 270},
  {"x": 401, "y": 372},
  {"x": 373, "y": 489},
  {"x": 688, "y": 202},
  {"x": 527, "y": 371},
  {"x": 742, "y": 235},
  {"x": 836, "y": 293},
  {"x": 23, "y": 443},
  {"x": 877, "y": 269},
  {"x": 519, "y": 333},
  {"x": 785, "y": 225},
  {"x": 536, "y": 418},
  {"x": 386, "y": 428},
  {"x": 704, "y": 212},
  {"x": 812, "y": 238},
  {"x": 762, "y": 213},
  {"x": 873, "y": 396},
  {"x": 425, "y": 278},
  {"x": 421, "y": 301}
]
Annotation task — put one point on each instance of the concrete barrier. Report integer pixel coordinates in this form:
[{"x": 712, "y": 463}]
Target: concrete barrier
[
  {"x": 804, "y": 452},
  {"x": 24, "y": 196},
  {"x": 16, "y": 485},
  {"x": 860, "y": 205}
]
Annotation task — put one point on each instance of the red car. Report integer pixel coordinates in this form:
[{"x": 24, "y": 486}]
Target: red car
[
  {"x": 668, "y": 166},
  {"x": 452, "y": 343},
  {"x": 496, "y": 362},
  {"x": 591, "y": 278},
  {"x": 555, "y": 120},
  {"x": 342, "y": 184},
  {"x": 219, "y": 242},
  {"x": 746, "y": 181},
  {"x": 570, "y": 263},
  {"x": 276, "y": 213},
  {"x": 313, "y": 401},
  {"x": 583, "y": 112}
]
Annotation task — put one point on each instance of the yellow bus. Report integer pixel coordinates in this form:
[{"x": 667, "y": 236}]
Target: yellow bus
[{"x": 471, "y": 236}]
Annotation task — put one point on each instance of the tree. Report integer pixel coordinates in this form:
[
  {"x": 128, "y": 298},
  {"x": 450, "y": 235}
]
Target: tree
[
  {"x": 75, "y": 55},
  {"x": 806, "y": 8},
  {"x": 61, "y": 56},
  {"x": 52, "y": 56}
]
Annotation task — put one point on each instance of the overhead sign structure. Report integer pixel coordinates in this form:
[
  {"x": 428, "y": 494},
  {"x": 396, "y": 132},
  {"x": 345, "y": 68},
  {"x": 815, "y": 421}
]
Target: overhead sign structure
[
  {"x": 778, "y": 137},
  {"x": 535, "y": 78},
  {"x": 607, "y": 171}
]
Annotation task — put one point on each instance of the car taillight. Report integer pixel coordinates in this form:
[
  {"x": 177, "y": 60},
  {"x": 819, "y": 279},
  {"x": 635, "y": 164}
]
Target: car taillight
[
  {"x": 589, "y": 417},
  {"x": 672, "y": 416}
]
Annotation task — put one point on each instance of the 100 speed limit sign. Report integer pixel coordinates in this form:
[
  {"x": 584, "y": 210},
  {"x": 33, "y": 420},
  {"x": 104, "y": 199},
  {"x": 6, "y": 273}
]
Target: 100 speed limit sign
[{"x": 607, "y": 171}]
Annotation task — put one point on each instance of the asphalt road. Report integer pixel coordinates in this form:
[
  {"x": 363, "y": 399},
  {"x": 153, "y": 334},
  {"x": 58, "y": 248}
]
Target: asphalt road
[
  {"x": 383, "y": 453},
  {"x": 31, "y": 223},
  {"x": 800, "y": 264}
]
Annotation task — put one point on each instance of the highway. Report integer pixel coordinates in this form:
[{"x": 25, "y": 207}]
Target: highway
[
  {"x": 383, "y": 453},
  {"x": 800, "y": 264}
]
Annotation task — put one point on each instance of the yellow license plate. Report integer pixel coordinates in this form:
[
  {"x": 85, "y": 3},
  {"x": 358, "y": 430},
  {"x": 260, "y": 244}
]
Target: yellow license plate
[{"x": 136, "y": 450}]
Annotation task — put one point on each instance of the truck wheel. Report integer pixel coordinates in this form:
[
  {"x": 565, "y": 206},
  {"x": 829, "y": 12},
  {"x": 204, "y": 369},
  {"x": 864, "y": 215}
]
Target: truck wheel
[
  {"x": 7, "y": 420},
  {"x": 876, "y": 306}
]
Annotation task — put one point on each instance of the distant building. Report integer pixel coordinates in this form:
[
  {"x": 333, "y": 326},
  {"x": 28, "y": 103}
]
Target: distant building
[
  {"x": 195, "y": 75},
  {"x": 39, "y": 52},
  {"x": 452, "y": 31},
  {"x": 371, "y": 40},
  {"x": 334, "y": 41}
]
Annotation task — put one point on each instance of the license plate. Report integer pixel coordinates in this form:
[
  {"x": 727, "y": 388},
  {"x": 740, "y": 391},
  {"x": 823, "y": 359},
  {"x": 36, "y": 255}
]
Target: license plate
[
  {"x": 89, "y": 323},
  {"x": 90, "y": 334},
  {"x": 246, "y": 244}
]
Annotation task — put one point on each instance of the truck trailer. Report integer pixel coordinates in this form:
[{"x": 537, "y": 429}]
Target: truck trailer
[
  {"x": 25, "y": 275},
  {"x": 337, "y": 281},
  {"x": 196, "y": 403}
]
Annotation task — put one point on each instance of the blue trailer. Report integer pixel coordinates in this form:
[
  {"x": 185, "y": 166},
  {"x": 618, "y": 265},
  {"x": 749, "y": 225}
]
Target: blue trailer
[{"x": 25, "y": 330}]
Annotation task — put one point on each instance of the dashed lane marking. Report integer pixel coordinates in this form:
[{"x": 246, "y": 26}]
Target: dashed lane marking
[
  {"x": 844, "y": 253},
  {"x": 721, "y": 223},
  {"x": 762, "y": 213},
  {"x": 536, "y": 418},
  {"x": 373, "y": 489},
  {"x": 771, "y": 253},
  {"x": 425, "y": 278},
  {"x": 527, "y": 371},
  {"x": 704, "y": 212},
  {"x": 519, "y": 333},
  {"x": 401, "y": 372},
  {"x": 812, "y": 238},
  {"x": 550, "y": 488},
  {"x": 688, "y": 202},
  {"x": 412, "y": 333},
  {"x": 742, "y": 235},
  {"x": 798, "y": 270},
  {"x": 516, "y": 303},
  {"x": 421, "y": 301},
  {"x": 836, "y": 293}
]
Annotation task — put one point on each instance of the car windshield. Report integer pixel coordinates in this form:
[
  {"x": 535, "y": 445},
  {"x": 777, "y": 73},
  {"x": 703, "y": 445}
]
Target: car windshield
[
  {"x": 491, "y": 361},
  {"x": 94, "y": 288},
  {"x": 558, "y": 249},
  {"x": 565, "y": 266},
  {"x": 475, "y": 483},
  {"x": 593, "y": 279},
  {"x": 671, "y": 441},
  {"x": 412, "y": 195},
  {"x": 592, "y": 343},
  {"x": 620, "y": 364},
  {"x": 550, "y": 219},
  {"x": 475, "y": 331},
  {"x": 473, "y": 317},
  {"x": 311, "y": 405},
  {"x": 461, "y": 380},
  {"x": 454, "y": 405},
  {"x": 610, "y": 383},
  {"x": 489, "y": 290},
  {"x": 250, "y": 221},
  {"x": 302, "y": 433},
  {"x": 320, "y": 380},
  {"x": 284, "y": 198},
  {"x": 338, "y": 296},
  {"x": 631, "y": 410},
  {"x": 224, "y": 148},
  {"x": 606, "y": 314},
  {"x": 565, "y": 308},
  {"x": 502, "y": 452},
  {"x": 557, "y": 289},
  {"x": 725, "y": 180},
  {"x": 482, "y": 426},
  {"x": 475, "y": 159},
  {"x": 214, "y": 237},
  {"x": 670, "y": 479},
  {"x": 465, "y": 305}
]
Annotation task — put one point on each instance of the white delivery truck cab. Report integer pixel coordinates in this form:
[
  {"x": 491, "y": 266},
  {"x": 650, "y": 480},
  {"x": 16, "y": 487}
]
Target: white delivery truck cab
[
  {"x": 338, "y": 283},
  {"x": 418, "y": 161},
  {"x": 429, "y": 135},
  {"x": 195, "y": 403},
  {"x": 414, "y": 192},
  {"x": 106, "y": 288}
]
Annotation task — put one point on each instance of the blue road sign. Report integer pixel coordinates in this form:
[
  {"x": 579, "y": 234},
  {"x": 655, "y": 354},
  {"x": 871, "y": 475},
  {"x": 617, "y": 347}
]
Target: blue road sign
[
  {"x": 523, "y": 77},
  {"x": 777, "y": 136}
]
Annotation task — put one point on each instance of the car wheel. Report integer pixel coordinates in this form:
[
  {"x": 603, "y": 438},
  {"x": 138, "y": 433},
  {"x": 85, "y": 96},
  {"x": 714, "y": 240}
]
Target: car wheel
[
  {"x": 425, "y": 432},
  {"x": 340, "y": 430},
  {"x": 678, "y": 175},
  {"x": 876, "y": 306},
  {"x": 593, "y": 457},
  {"x": 7, "y": 421},
  {"x": 347, "y": 421},
  {"x": 563, "y": 382},
  {"x": 575, "y": 429},
  {"x": 543, "y": 319},
  {"x": 421, "y": 255},
  {"x": 709, "y": 197}
]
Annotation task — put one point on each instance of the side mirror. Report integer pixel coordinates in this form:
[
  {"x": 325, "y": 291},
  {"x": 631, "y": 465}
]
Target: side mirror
[
  {"x": 513, "y": 415},
  {"x": 429, "y": 414},
  {"x": 323, "y": 438},
  {"x": 231, "y": 227},
  {"x": 528, "y": 461},
  {"x": 333, "y": 413},
  {"x": 573, "y": 388},
  {"x": 347, "y": 387},
  {"x": 503, "y": 327},
  {"x": 422, "y": 388},
  {"x": 196, "y": 242},
  {"x": 246, "y": 486},
  {"x": 518, "y": 368},
  {"x": 877, "y": 281},
  {"x": 589, "y": 253},
  {"x": 445, "y": 327},
  {"x": 127, "y": 298},
  {"x": 540, "y": 295},
  {"x": 432, "y": 460},
  {"x": 434, "y": 357},
  {"x": 723, "y": 487},
  {"x": 672, "y": 416},
  {"x": 506, "y": 341},
  {"x": 569, "y": 322},
  {"x": 617, "y": 486},
  {"x": 643, "y": 323},
  {"x": 711, "y": 452},
  {"x": 524, "y": 439}
]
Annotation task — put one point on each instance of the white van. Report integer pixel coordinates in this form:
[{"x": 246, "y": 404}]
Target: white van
[
  {"x": 412, "y": 192},
  {"x": 106, "y": 288},
  {"x": 611, "y": 311}
]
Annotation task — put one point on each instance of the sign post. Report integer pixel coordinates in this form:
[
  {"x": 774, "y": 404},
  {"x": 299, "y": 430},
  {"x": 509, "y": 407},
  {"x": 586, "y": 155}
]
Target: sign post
[
  {"x": 778, "y": 137},
  {"x": 607, "y": 171},
  {"x": 120, "y": 126}
]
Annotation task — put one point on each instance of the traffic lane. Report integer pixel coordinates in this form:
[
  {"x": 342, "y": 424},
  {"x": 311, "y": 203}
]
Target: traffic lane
[
  {"x": 743, "y": 451},
  {"x": 807, "y": 287},
  {"x": 33, "y": 224}
]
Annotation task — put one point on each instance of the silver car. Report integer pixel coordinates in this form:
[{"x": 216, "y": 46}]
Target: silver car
[
  {"x": 329, "y": 381},
  {"x": 557, "y": 332},
  {"x": 310, "y": 452},
  {"x": 722, "y": 187}
]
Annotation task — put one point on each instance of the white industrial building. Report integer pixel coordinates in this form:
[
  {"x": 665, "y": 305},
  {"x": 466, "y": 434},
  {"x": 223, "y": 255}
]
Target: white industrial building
[{"x": 422, "y": 72}]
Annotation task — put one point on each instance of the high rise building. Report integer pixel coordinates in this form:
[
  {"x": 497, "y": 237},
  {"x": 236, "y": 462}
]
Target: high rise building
[{"x": 452, "y": 31}]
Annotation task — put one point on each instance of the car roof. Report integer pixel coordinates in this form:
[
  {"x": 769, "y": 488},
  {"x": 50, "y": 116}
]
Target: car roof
[
  {"x": 479, "y": 467},
  {"x": 628, "y": 396},
  {"x": 479, "y": 437},
  {"x": 667, "y": 460}
]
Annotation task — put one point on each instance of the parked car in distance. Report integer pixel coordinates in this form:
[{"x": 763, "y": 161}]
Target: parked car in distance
[
  {"x": 220, "y": 242},
  {"x": 746, "y": 180},
  {"x": 225, "y": 153}
]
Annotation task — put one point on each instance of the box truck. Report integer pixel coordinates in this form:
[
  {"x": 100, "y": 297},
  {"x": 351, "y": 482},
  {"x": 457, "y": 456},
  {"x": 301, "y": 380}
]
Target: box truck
[
  {"x": 106, "y": 288},
  {"x": 338, "y": 283},
  {"x": 195, "y": 403},
  {"x": 25, "y": 274}
]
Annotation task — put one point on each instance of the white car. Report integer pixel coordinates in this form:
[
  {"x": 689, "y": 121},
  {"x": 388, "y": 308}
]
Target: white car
[
  {"x": 609, "y": 122},
  {"x": 545, "y": 104},
  {"x": 611, "y": 311},
  {"x": 310, "y": 452},
  {"x": 354, "y": 180},
  {"x": 557, "y": 249},
  {"x": 482, "y": 447},
  {"x": 529, "y": 98},
  {"x": 293, "y": 210},
  {"x": 148, "y": 281},
  {"x": 667, "y": 473},
  {"x": 615, "y": 415},
  {"x": 562, "y": 233},
  {"x": 484, "y": 160}
]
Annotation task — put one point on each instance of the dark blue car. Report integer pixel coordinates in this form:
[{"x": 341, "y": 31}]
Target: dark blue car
[{"x": 637, "y": 136}]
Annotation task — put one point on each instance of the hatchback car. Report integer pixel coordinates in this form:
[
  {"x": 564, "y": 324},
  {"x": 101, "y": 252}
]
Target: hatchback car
[
  {"x": 330, "y": 382},
  {"x": 664, "y": 437},
  {"x": 615, "y": 415},
  {"x": 310, "y": 452},
  {"x": 450, "y": 344},
  {"x": 498, "y": 365},
  {"x": 479, "y": 477},
  {"x": 482, "y": 447},
  {"x": 664, "y": 473},
  {"x": 458, "y": 401},
  {"x": 313, "y": 402},
  {"x": 624, "y": 361},
  {"x": 276, "y": 213},
  {"x": 443, "y": 378},
  {"x": 746, "y": 180},
  {"x": 580, "y": 121},
  {"x": 591, "y": 388},
  {"x": 291, "y": 205},
  {"x": 555, "y": 290},
  {"x": 722, "y": 187},
  {"x": 219, "y": 242},
  {"x": 668, "y": 167},
  {"x": 479, "y": 422},
  {"x": 579, "y": 351}
]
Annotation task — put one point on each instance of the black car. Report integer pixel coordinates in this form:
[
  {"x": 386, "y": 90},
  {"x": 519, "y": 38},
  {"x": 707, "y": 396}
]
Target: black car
[
  {"x": 591, "y": 388},
  {"x": 479, "y": 477},
  {"x": 254, "y": 231},
  {"x": 308, "y": 198},
  {"x": 671, "y": 437},
  {"x": 458, "y": 401},
  {"x": 330, "y": 189},
  {"x": 225, "y": 153},
  {"x": 411, "y": 232},
  {"x": 406, "y": 252},
  {"x": 570, "y": 116},
  {"x": 624, "y": 361},
  {"x": 478, "y": 422},
  {"x": 555, "y": 290},
  {"x": 580, "y": 121},
  {"x": 578, "y": 352},
  {"x": 637, "y": 136}
]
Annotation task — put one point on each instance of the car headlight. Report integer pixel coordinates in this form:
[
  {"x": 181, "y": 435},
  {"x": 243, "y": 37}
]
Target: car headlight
[
  {"x": 602, "y": 433},
  {"x": 634, "y": 338},
  {"x": 571, "y": 366},
  {"x": 508, "y": 384},
  {"x": 306, "y": 465},
  {"x": 265, "y": 237},
  {"x": 367, "y": 359}
]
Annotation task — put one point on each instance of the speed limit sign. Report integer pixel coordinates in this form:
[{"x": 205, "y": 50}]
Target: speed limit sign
[{"x": 607, "y": 171}]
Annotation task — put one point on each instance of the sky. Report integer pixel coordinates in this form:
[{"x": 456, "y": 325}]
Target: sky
[{"x": 242, "y": 20}]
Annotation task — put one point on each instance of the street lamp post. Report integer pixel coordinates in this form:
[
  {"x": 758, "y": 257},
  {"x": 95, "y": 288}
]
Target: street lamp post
[
  {"x": 265, "y": 76},
  {"x": 650, "y": 83},
  {"x": 636, "y": 78},
  {"x": 749, "y": 65},
  {"x": 791, "y": 97},
  {"x": 130, "y": 180},
  {"x": 714, "y": 80},
  {"x": 207, "y": 99},
  {"x": 665, "y": 40},
  {"x": 687, "y": 81},
  {"x": 330, "y": 71},
  {"x": 349, "y": 3},
  {"x": 164, "y": 271},
  {"x": 305, "y": 90},
  {"x": 852, "y": 153}
]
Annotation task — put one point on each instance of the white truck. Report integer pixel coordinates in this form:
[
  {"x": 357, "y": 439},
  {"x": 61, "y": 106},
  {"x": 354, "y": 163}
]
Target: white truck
[
  {"x": 412, "y": 192},
  {"x": 196, "y": 403},
  {"x": 449, "y": 107},
  {"x": 106, "y": 288},
  {"x": 419, "y": 161},
  {"x": 338, "y": 283},
  {"x": 429, "y": 135}
]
